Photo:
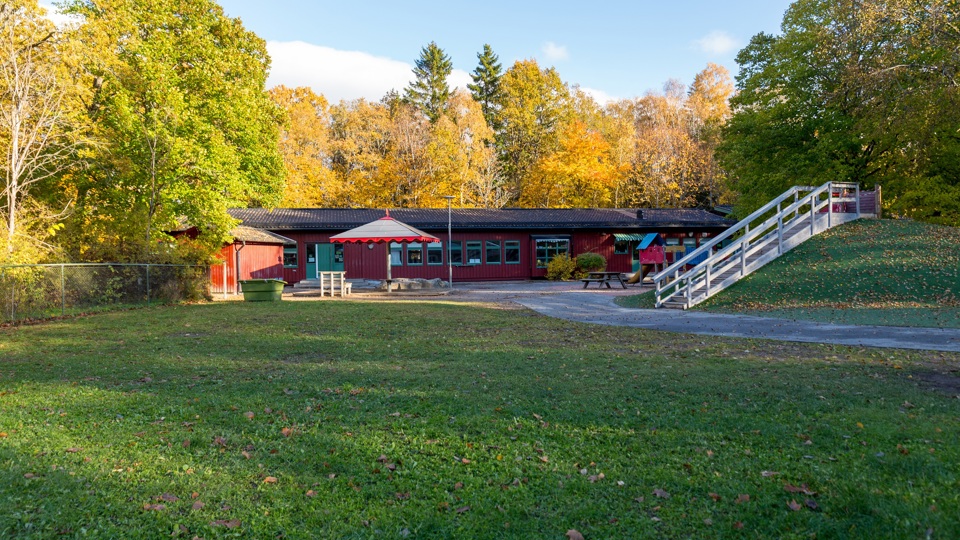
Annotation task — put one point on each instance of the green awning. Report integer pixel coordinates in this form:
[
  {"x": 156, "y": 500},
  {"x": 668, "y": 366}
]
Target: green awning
[{"x": 627, "y": 237}]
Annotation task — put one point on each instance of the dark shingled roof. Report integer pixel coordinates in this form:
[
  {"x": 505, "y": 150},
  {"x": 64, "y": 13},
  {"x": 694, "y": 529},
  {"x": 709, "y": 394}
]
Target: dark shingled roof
[
  {"x": 251, "y": 234},
  {"x": 337, "y": 219}
]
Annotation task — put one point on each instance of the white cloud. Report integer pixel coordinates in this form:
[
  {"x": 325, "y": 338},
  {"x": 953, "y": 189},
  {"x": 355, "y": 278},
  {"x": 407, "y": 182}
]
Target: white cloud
[
  {"x": 601, "y": 97},
  {"x": 717, "y": 42},
  {"x": 459, "y": 79},
  {"x": 554, "y": 52},
  {"x": 342, "y": 75}
]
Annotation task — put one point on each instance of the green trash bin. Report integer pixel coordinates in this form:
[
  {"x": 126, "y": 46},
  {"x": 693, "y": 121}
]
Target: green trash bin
[{"x": 262, "y": 290}]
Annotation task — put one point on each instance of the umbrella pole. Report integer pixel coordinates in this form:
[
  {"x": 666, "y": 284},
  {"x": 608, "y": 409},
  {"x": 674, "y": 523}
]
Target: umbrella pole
[{"x": 388, "y": 267}]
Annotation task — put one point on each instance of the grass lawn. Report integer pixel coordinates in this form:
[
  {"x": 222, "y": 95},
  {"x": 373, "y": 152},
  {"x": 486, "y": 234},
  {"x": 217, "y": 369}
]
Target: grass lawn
[
  {"x": 875, "y": 272},
  {"x": 439, "y": 420}
]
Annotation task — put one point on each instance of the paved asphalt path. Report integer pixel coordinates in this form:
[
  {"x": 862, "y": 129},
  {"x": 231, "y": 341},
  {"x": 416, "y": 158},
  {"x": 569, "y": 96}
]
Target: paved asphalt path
[{"x": 600, "y": 309}]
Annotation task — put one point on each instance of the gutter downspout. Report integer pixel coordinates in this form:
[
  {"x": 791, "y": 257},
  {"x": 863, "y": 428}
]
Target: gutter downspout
[{"x": 237, "y": 251}]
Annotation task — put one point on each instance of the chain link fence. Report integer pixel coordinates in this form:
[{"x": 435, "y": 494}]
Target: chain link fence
[{"x": 40, "y": 291}]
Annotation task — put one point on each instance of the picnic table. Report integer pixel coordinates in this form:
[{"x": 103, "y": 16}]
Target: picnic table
[{"x": 603, "y": 278}]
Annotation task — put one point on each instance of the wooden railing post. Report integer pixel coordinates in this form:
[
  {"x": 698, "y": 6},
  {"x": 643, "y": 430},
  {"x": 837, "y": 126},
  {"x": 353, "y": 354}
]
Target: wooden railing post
[
  {"x": 829, "y": 204},
  {"x": 779, "y": 230},
  {"x": 856, "y": 193}
]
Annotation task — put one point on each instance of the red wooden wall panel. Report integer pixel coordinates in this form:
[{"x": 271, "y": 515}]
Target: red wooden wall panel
[{"x": 362, "y": 262}]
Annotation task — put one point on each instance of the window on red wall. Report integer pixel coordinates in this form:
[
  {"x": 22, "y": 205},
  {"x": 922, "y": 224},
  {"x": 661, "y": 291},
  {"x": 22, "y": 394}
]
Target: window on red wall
[
  {"x": 547, "y": 249},
  {"x": 396, "y": 254},
  {"x": 435, "y": 253},
  {"x": 474, "y": 252},
  {"x": 456, "y": 252},
  {"x": 493, "y": 252},
  {"x": 415, "y": 254},
  {"x": 290, "y": 257},
  {"x": 511, "y": 252}
]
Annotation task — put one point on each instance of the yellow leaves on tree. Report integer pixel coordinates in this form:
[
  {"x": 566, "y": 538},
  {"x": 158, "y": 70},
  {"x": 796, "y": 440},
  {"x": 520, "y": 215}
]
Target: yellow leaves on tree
[
  {"x": 578, "y": 174},
  {"x": 557, "y": 147},
  {"x": 305, "y": 145},
  {"x": 464, "y": 163}
]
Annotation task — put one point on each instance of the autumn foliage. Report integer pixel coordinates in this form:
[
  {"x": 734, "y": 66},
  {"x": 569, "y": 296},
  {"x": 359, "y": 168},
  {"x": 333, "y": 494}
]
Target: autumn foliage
[{"x": 521, "y": 138}]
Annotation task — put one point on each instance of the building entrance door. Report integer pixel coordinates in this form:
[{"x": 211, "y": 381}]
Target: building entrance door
[{"x": 324, "y": 258}]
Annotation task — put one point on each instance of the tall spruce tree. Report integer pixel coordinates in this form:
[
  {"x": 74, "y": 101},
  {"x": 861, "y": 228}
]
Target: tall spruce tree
[
  {"x": 429, "y": 91},
  {"x": 486, "y": 86}
]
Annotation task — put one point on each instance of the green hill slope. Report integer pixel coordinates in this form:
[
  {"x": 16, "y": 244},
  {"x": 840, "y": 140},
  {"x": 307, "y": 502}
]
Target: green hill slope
[{"x": 884, "y": 272}]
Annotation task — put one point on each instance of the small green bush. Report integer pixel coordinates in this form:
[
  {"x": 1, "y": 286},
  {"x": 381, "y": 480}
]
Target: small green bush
[
  {"x": 591, "y": 262},
  {"x": 561, "y": 268}
]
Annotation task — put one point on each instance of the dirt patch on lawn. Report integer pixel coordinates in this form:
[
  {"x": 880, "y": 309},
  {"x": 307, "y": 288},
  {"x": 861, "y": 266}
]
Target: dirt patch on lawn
[{"x": 945, "y": 381}]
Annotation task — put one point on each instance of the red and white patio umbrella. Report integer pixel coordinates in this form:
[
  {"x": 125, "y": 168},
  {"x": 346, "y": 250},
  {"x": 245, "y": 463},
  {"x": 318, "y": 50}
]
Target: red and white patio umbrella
[{"x": 384, "y": 230}]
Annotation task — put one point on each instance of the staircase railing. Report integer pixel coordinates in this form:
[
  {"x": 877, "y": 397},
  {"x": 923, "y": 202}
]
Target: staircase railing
[{"x": 777, "y": 227}]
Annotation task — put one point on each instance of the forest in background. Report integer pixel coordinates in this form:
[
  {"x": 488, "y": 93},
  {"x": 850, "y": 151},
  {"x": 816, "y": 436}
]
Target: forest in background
[
  {"x": 519, "y": 137},
  {"x": 153, "y": 114}
]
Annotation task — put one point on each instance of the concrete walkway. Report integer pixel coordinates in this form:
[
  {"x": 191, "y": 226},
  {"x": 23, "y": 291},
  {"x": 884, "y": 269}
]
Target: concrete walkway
[{"x": 600, "y": 309}]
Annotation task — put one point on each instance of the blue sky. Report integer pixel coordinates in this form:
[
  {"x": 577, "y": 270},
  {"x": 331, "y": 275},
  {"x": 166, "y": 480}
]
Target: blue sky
[{"x": 614, "y": 49}]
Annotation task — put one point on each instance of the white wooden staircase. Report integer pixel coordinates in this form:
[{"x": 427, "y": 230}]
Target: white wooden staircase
[{"x": 779, "y": 226}]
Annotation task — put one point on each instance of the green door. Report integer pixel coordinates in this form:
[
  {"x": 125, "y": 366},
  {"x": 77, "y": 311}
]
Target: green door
[
  {"x": 324, "y": 258},
  {"x": 329, "y": 258}
]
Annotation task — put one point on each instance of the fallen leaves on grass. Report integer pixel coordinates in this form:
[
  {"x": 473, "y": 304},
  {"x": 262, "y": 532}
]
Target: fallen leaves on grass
[
  {"x": 794, "y": 505},
  {"x": 197, "y": 505},
  {"x": 270, "y": 480},
  {"x": 802, "y": 488},
  {"x": 742, "y": 498},
  {"x": 661, "y": 493},
  {"x": 169, "y": 497},
  {"x": 463, "y": 509},
  {"x": 228, "y": 523},
  {"x": 311, "y": 493},
  {"x": 154, "y": 507},
  {"x": 574, "y": 534},
  {"x": 249, "y": 415}
]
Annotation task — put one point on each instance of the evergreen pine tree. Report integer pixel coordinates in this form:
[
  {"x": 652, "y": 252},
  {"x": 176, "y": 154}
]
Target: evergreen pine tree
[
  {"x": 429, "y": 91},
  {"x": 486, "y": 86}
]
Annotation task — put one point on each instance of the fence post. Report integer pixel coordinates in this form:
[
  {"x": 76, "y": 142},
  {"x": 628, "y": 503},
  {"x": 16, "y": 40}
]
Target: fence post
[
  {"x": 148, "y": 284},
  {"x": 63, "y": 291}
]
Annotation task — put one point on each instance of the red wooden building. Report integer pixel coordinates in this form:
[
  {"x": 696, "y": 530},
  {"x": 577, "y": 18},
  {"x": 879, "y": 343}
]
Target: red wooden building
[
  {"x": 505, "y": 244},
  {"x": 256, "y": 253}
]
